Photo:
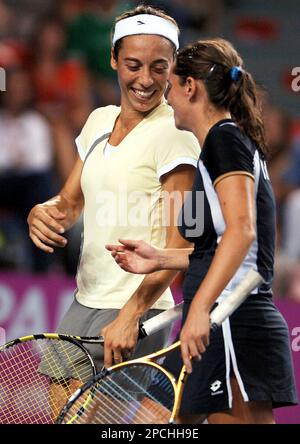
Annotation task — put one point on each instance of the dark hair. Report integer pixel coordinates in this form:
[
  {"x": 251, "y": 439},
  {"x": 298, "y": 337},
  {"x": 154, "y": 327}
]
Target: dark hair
[
  {"x": 215, "y": 61},
  {"x": 141, "y": 9}
]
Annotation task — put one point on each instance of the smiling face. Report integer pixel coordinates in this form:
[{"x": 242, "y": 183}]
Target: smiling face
[
  {"x": 178, "y": 99},
  {"x": 144, "y": 63}
]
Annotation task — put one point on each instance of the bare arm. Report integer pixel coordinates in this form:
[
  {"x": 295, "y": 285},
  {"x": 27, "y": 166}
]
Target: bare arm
[
  {"x": 174, "y": 259},
  {"x": 236, "y": 197},
  {"x": 48, "y": 220},
  {"x": 141, "y": 258},
  {"x": 122, "y": 333}
]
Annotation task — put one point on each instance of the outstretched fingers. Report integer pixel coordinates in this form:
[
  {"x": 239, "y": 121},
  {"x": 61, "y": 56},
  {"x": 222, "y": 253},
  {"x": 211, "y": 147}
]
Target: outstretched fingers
[{"x": 115, "y": 248}]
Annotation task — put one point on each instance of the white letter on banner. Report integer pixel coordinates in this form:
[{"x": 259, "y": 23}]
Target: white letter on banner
[
  {"x": 31, "y": 315},
  {"x": 7, "y": 302}
]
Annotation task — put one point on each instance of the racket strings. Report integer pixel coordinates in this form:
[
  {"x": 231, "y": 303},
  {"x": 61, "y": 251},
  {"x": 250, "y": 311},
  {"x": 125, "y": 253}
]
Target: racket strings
[
  {"x": 28, "y": 357},
  {"x": 111, "y": 386},
  {"x": 35, "y": 379},
  {"x": 21, "y": 418},
  {"x": 138, "y": 394},
  {"x": 110, "y": 389},
  {"x": 103, "y": 409},
  {"x": 135, "y": 414},
  {"x": 100, "y": 399}
]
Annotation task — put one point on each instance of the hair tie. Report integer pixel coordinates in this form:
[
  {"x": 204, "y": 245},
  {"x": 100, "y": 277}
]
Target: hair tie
[{"x": 235, "y": 73}]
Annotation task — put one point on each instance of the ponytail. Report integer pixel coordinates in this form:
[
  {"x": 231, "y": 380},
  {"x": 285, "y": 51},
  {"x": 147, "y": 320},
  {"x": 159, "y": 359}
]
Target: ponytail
[{"x": 243, "y": 106}]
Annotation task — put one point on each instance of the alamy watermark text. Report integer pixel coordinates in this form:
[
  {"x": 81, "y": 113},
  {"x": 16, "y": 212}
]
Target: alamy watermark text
[{"x": 296, "y": 81}]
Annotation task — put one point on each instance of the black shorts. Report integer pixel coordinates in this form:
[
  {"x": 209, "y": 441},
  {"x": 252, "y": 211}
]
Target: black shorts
[{"x": 253, "y": 345}]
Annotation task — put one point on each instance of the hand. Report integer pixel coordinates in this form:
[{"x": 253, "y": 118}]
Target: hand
[
  {"x": 120, "y": 338},
  {"x": 135, "y": 256},
  {"x": 45, "y": 223},
  {"x": 194, "y": 335}
]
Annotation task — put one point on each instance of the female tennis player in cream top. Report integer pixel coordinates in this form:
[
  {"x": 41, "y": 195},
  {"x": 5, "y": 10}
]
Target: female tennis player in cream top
[
  {"x": 121, "y": 190},
  {"x": 123, "y": 195}
]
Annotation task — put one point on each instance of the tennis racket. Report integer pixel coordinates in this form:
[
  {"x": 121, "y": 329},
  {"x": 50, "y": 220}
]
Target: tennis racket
[
  {"x": 39, "y": 373},
  {"x": 141, "y": 391}
]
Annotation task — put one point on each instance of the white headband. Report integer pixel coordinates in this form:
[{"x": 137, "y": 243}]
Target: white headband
[{"x": 146, "y": 24}]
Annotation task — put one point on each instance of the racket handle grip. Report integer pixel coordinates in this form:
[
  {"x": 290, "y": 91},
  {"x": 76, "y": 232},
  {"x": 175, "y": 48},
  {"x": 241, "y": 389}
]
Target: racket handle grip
[
  {"x": 251, "y": 281},
  {"x": 160, "y": 321}
]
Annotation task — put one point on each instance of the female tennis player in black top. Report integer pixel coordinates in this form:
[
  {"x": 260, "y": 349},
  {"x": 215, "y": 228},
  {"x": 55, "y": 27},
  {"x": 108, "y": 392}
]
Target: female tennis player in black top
[{"x": 230, "y": 218}]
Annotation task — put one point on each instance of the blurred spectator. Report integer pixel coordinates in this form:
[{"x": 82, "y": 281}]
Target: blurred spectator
[
  {"x": 203, "y": 18},
  {"x": 24, "y": 14},
  {"x": 6, "y": 19},
  {"x": 13, "y": 51},
  {"x": 89, "y": 36},
  {"x": 294, "y": 287},
  {"x": 291, "y": 223},
  {"x": 277, "y": 131},
  {"x": 26, "y": 161},
  {"x": 60, "y": 82},
  {"x": 62, "y": 89},
  {"x": 196, "y": 18},
  {"x": 284, "y": 170},
  {"x": 70, "y": 9},
  {"x": 64, "y": 95},
  {"x": 287, "y": 278},
  {"x": 290, "y": 178},
  {"x": 291, "y": 174}
]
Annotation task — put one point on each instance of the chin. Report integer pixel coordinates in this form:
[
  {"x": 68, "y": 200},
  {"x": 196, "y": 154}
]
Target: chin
[
  {"x": 179, "y": 125},
  {"x": 146, "y": 106},
  {"x": 143, "y": 106}
]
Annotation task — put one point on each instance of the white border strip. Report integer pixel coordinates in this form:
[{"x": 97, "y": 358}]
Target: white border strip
[
  {"x": 174, "y": 163},
  {"x": 229, "y": 346}
]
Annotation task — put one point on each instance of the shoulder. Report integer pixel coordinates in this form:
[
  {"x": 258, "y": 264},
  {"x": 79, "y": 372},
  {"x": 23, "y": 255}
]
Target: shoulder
[
  {"x": 226, "y": 150},
  {"x": 99, "y": 122},
  {"x": 229, "y": 132},
  {"x": 167, "y": 132},
  {"x": 226, "y": 139},
  {"x": 104, "y": 115}
]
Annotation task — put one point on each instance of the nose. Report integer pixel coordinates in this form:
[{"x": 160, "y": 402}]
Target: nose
[{"x": 146, "y": 78}]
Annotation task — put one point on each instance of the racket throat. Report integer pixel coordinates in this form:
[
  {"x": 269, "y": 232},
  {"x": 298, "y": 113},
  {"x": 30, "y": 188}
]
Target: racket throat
[
  {"x": 104, "y": 372},
  {"x": 178, "y": 395}
]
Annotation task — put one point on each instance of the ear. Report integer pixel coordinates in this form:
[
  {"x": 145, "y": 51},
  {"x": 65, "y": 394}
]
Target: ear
[
  {"x": 191, "y": 87},
  {"x": 113, "y": 62}
]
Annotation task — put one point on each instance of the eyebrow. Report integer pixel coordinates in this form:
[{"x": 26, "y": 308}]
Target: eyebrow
[{"x": 132, "y": 59}]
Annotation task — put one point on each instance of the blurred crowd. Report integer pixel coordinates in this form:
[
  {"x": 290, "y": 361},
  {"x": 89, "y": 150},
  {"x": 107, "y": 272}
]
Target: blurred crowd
[{"x": 56, "y": 56}]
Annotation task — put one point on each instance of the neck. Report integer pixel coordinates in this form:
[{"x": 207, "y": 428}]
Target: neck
[
  {"x": 203, "y": 122},
  {"x": 129, "y": 117}
]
